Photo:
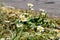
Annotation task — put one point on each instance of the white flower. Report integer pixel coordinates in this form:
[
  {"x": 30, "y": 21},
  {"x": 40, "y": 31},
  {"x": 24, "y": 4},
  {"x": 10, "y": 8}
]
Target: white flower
[
  {"x": 19, "y": 25},
  {"x": 30, "y": 5},
  {"x": 42, "y": 10},
  {"x": 43, "y": 14},
  {"x": 2, "y": 39},
  {"x": 23, "y": 18},
  {"x": 41, "y": 29}
]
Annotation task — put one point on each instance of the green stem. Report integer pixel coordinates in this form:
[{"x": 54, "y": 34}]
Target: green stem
[{"x": 17, "y": 36}]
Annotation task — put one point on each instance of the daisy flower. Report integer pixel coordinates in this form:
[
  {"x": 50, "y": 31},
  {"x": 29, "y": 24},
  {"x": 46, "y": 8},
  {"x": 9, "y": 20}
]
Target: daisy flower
[
  {"x": 43, "y": 13},
  {"x": 41, "y": 29},
  {"x": 23, "y": 18},
  {"x": 30, "y": 5}
]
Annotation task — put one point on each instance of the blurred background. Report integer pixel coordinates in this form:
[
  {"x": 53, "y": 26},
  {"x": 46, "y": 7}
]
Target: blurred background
[{"x": 51, "y": 6}]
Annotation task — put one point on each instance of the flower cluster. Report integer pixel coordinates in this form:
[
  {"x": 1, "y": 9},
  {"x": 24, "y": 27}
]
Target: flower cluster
[
  {"x": 19, "y": 24},
  {"x": 30, "y": 5},
  {"x": 34, "y": 21}
]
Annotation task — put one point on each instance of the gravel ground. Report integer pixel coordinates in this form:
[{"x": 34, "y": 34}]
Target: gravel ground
[{"x": 51, "y": 6}]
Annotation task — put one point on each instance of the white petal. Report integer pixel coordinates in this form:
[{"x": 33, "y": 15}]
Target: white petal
[
  {"x": 43, "y": 13},
  {"x": 43, "y": 30},
  {"x": 30, "y": 4},
  {"x": 38, "y": 28},
  {"x": 24, "y": 20}
]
